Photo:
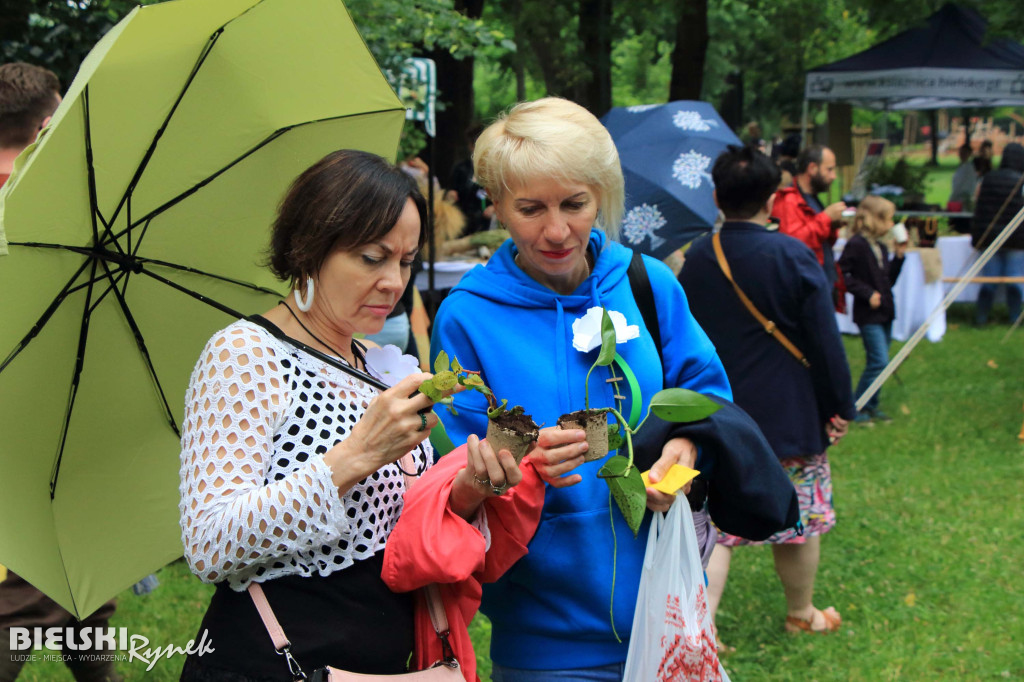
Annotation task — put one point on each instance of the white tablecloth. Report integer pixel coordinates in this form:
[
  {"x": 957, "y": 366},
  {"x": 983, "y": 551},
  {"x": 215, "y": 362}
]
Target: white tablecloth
[
  {"x": 914, "y": 300},
  {"x": 446, "y": 274},
  {"x": 957, "y": 256}
]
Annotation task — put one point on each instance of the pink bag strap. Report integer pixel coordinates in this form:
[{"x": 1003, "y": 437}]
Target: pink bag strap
[{"x": 435, "y": 607}]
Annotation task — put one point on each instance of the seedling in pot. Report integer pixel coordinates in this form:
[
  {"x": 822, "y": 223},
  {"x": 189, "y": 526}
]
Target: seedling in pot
[
  {"x": 672, "y": 404},
  {"x": 512, "y": 430}
]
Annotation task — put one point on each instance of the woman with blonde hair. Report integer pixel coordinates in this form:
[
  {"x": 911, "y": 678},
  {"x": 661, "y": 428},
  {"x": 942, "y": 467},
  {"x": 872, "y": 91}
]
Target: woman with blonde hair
[
  {"x": 870, "y": 276},
  {"x": 565, "y": 610}
]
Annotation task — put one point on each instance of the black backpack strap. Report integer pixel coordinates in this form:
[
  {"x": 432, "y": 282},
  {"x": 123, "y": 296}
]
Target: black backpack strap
[{"x": 640, "y": 283}]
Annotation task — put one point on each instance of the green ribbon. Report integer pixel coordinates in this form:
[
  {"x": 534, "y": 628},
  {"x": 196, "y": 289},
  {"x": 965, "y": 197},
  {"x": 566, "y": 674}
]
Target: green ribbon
[{"x": 634, "y": 390}]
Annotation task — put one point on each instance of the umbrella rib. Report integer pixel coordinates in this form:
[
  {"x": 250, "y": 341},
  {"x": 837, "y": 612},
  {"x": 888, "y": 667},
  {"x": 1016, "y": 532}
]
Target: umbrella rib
[
  {"x": 99, "y": 299},
  {"x": 170, "y": 203},
  {"x": 140, "y": 342},
  {"x": 147, "y": 157},
  {"x": 222, "y": 278},
  {"x": 44, "y": 318},
  {"x": 94, "y": 205},
  {"x": 83, "y": 334},
  {"x": 277, "y": 333}
]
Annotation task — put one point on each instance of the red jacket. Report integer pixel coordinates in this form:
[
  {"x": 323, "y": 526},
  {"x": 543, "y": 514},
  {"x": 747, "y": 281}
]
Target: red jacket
[
  {"x": 798, "y": 219},
  {"x": 432, "y": 544}
]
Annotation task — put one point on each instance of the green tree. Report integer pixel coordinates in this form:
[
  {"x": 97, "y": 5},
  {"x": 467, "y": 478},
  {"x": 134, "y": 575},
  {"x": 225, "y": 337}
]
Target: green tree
[{"x": 57, "y": 35}]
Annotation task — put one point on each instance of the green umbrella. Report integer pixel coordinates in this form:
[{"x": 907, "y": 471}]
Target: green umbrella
[{"x": 159, "y": 175}]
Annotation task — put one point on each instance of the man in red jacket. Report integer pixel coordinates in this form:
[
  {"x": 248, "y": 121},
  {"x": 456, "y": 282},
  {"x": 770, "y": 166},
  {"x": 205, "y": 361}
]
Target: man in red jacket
[{"x": 803, "y": 216}]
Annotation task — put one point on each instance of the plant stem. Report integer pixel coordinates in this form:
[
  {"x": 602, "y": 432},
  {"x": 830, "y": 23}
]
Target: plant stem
[
  {"x": 586, "y": 387},
  {"x": 615, "y": 555},
  {"x": 643, "y": 420},
  {"x": 629, "y": 435}
]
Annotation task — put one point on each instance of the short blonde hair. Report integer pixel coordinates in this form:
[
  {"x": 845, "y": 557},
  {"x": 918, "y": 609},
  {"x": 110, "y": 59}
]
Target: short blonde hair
[
  {"x": 552, "y": 138},
  {"x": 872, "y": 214}
]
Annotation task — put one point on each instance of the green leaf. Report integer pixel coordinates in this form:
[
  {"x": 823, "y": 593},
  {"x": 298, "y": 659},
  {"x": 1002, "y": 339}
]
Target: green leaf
[
  {"x": 607, "y": 354},
  {"x": 682, "y": 405},
  {"x": 614, "y": 467},
  {"x": 445, "y": 380},
  {"x": 473, "y": 381},
  {"x": 615, "y": 437},
  {"x": 441, "y": 363},
  {"x": 428, "y": 389},
  {"x": 630, "y": 496},
  {"x": 456, "y": 367}
]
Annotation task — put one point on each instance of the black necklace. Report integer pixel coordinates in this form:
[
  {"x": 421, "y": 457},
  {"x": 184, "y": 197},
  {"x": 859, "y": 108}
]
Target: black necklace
[{"x": 358, "y": 355}]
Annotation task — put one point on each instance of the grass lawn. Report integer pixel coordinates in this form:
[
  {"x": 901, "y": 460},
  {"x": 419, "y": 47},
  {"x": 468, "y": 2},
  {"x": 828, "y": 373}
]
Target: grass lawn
[{"x": 925, "y": 563}]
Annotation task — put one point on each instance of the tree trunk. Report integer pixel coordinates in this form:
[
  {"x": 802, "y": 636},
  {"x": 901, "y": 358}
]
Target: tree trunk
[
  {"x": 455, "y": 87},
  {"x": 690, "y": 50},
  {"x": 731, "y": 105},
  {"x": 595, "y": 32}
]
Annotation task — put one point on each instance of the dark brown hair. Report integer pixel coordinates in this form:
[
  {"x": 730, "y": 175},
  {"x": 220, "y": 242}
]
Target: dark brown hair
[
  {"x": 347, "y": 199},
  {"x": 28, "y": 94}
]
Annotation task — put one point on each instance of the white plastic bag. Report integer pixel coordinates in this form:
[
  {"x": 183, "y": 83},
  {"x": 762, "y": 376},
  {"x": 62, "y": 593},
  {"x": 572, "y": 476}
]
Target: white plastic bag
[{"x": 672, "y": 639}]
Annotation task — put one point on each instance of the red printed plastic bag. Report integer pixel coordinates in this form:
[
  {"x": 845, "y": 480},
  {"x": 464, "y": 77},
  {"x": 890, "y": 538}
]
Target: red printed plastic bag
[{"x": 672, "y": 639}]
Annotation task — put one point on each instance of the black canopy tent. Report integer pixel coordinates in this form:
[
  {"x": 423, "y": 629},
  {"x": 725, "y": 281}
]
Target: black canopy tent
[{"x": 946, "y": 62}]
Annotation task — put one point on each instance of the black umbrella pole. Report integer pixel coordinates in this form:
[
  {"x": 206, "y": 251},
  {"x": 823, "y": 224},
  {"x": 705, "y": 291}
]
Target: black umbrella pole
[{"x": 431, "y": 232}]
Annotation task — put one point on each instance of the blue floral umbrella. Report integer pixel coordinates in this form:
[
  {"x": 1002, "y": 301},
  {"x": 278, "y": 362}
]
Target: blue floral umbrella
[{"x": 667, "y": 151}]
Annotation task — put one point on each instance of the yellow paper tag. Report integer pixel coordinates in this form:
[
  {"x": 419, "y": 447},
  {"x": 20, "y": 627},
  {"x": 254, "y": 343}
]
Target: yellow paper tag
[{"x": 676, "y": 478}]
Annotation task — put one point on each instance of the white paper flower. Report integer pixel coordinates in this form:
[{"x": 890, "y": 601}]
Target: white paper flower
[
  {"x": 641, "y": 222},
  {"x": 691, "y": 168},
  {"x": 388, "y": 364},
  {"x": 586, "y": 330}
]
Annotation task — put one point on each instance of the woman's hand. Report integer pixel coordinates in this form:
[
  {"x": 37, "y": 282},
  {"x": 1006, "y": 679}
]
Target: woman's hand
[
  {"x": 836, "y": 428},
  {"x": 675, "y": 451},
  {"x": 557, "y": 452},
  {"x": 394, "y": 423},
  {"x": 875, "y": 301},
  {"x": 486, "y": 475}
]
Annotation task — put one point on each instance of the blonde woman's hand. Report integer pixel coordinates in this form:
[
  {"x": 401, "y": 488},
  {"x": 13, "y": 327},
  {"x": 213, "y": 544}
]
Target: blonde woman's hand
[
  {"x": 675, "y": 451},
  {"x": 487, "y": 474},
  {"x": 557, "y": 452},
  {"x": 395, "y": 422}
]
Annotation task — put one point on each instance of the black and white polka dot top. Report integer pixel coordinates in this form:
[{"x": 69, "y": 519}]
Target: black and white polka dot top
[{"x": 257, "y": 499}]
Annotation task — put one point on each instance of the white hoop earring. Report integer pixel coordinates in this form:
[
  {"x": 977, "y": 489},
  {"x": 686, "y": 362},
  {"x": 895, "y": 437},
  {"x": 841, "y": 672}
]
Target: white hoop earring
[{"x": 305, "y": 302}]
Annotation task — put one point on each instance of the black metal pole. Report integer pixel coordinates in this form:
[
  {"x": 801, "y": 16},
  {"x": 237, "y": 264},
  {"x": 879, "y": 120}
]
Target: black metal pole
[{"x": 431, "y": 232}]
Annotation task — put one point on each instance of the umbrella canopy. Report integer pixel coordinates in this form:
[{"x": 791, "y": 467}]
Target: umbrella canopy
[
  {"x": 947, "y": 61},
  {"x": 667, "y": 151},
  {"x": 159, "y": 175}
]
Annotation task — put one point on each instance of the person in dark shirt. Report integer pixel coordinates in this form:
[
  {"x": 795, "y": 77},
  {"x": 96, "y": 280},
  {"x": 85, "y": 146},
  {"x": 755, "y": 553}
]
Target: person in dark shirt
[
  {"x": 800, "y": 409},
  {"x": 999, "y": 200},
  {"x": 471, "y": 198}
]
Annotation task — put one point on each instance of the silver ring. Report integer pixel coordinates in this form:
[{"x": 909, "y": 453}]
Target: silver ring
[
  {"x": 482, "y": 481},
  {"x": 500, "y": 490},
  {"x": 423, "y": 422}
]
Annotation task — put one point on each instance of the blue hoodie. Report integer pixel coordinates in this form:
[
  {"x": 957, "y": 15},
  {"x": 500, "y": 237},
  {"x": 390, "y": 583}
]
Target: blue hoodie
[{"x": 551, "y": 610}]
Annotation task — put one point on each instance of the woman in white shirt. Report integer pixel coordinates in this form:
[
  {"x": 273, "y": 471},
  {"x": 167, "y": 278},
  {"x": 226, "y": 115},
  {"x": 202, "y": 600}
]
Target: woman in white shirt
[{"x": 292, "y": 471}]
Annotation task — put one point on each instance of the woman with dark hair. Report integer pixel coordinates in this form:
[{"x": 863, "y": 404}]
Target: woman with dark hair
[{"x": 290, "y": 471}]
